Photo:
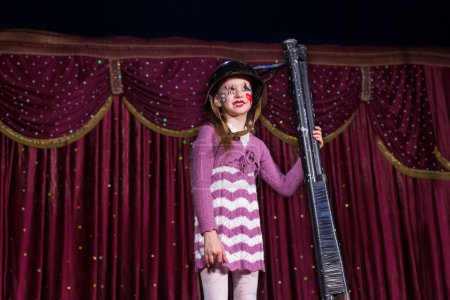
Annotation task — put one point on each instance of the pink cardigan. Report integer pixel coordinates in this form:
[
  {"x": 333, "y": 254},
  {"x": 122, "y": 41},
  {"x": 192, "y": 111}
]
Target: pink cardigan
[{"x": 255, "y": 157}]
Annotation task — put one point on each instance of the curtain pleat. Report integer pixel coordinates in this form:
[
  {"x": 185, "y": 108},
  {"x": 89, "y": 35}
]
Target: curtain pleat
[{"x": 103, "y": 210}]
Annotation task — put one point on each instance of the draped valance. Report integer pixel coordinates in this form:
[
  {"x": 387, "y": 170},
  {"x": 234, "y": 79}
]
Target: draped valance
[{"x": 54, "y": 89}]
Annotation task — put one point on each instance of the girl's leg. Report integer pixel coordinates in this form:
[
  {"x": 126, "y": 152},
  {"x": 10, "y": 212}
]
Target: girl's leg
[
  {"x": 245, "y": 285},
  {"x": 215, "y": 283}
]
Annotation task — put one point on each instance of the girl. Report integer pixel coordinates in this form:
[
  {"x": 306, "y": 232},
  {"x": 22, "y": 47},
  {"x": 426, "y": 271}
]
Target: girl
[{"x": 226, "y": 158}]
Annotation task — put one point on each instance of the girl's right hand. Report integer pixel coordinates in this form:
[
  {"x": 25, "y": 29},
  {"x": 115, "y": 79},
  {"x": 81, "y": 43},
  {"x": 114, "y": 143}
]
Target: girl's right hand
[{"x": 214, "y": 250}]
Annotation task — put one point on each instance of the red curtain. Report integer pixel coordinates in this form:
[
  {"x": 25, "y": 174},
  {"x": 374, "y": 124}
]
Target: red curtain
[
  {"x": 97, "y": 204},
  {"x": 110, "y": 217},
  {"x": 393, "y": 229},
  {"x": 107, "y": 217}
]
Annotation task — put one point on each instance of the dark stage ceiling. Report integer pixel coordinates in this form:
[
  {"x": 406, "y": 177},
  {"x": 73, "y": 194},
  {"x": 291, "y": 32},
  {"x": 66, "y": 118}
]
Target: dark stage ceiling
[{"x": 351, "y": 22}]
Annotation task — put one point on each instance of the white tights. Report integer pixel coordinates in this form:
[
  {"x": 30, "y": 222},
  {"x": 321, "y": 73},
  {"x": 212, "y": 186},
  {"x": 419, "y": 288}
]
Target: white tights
[{"x": 215, "y": 284}]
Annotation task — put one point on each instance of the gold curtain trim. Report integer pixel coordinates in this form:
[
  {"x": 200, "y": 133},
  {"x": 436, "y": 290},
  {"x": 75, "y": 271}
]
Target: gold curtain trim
[
  {"x": 174, "y": 133},
  {"x": 293, "y": 140},
  {"x": 194, "y": 131},
  {"x": 444, "y": 162},
  {"x": 423, "y": 174},
  {"x": 60, "y": 141},
  {"x": 26, "y": 41}
]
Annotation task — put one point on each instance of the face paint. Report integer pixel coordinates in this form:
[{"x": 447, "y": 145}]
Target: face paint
[
  {"x": 234, "y": 90},
  {"x": 230, "y": 90},
  {"x": 249, "y": 98},
  {"x": 248, "y": 95}
]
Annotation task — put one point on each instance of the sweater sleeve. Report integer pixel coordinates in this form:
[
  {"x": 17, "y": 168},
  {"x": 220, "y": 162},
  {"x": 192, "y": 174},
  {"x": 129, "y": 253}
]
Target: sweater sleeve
[
  {"x": 202, "y": 162},
  {"x": 285, "y": 185}
]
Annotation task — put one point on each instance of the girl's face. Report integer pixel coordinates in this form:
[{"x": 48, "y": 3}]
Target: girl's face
[{"x": 235, "y": 96}]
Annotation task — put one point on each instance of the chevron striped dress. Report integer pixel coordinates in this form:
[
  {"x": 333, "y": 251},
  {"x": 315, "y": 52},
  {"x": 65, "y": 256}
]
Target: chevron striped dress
[{"x": 225, "y": 199}]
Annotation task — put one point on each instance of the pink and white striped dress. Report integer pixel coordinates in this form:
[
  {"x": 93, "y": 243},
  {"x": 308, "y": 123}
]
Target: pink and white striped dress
[{"x": 225, "y": 198}]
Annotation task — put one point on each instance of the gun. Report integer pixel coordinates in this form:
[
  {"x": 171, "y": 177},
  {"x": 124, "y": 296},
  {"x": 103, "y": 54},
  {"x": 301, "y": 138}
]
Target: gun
[{"x": 328, "y": 256}]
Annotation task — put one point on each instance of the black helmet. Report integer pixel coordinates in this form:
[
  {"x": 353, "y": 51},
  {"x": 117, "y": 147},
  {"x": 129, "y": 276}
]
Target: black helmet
[{"x": 232, "y": 68}]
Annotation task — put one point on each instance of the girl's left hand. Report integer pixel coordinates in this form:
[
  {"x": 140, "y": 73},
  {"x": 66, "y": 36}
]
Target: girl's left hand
[{"x": 317, "y": 135}]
